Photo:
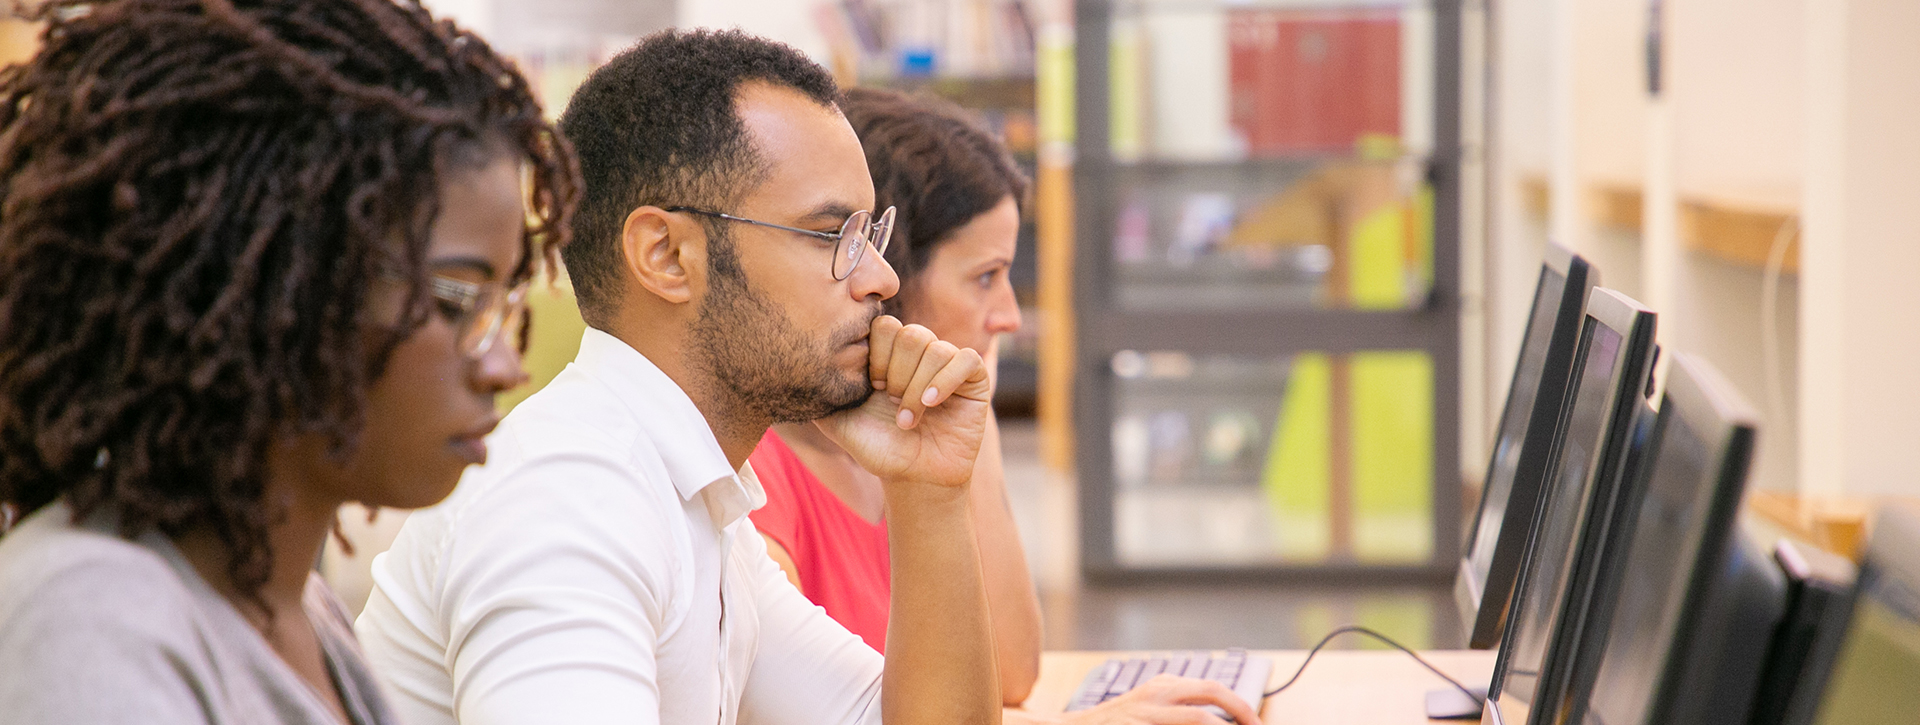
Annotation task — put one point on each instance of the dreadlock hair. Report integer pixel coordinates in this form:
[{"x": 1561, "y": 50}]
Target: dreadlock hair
[
  {"x": 657, "y": 125},
  {"x": 936, "y": 166},
  {"x": 196, "y": 197}
]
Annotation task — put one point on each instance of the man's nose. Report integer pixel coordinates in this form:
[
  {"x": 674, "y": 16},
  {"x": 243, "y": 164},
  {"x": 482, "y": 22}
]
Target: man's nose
[{"x": 873, "y": 277}]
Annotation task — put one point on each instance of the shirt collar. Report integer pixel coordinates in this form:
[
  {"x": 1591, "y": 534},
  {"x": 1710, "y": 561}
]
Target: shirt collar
[{"x": 669, "y": 419}]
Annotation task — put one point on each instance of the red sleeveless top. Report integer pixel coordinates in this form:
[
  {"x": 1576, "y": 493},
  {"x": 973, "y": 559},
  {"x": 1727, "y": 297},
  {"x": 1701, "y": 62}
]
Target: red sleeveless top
[{"x": 842, "y": 559}]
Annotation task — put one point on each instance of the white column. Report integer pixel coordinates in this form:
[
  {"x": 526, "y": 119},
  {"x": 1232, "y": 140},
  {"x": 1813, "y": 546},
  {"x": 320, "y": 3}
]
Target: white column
[
  {"x": 1660, "y": 254},
  {"x": 1859, "y": 298},
  {"x": 1566, "y": 220},
  {"x": 1660, "y": 198},
  {"x": 1476, "y": 234}
]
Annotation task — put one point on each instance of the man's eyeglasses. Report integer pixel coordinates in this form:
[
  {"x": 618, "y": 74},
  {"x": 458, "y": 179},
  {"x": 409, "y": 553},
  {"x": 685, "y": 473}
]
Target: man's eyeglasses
[
  {"x": 859, "y": 231},
  {"x": 483, "y": 313}
]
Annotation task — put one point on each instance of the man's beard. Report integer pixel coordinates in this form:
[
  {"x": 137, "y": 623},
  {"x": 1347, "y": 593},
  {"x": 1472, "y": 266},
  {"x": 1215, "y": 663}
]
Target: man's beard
[{"x": 762, "y": 363}]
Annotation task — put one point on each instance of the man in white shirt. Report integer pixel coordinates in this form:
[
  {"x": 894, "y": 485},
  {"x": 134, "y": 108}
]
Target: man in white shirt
[{"x": 600, "y": 567}]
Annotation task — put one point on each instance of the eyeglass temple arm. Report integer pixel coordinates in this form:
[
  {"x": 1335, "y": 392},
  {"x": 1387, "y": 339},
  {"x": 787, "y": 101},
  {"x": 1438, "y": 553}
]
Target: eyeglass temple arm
[{"x": 830, "y": 236}]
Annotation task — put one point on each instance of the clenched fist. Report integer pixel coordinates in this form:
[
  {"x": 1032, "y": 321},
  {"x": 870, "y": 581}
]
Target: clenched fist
[{"x": 929, "y": 412}]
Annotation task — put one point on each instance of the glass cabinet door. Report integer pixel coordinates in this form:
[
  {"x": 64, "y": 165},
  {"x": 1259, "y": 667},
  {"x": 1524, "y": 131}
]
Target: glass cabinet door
[
  {"x": 1268, "y": 375},
  {"x": 1230, "y": 460}
]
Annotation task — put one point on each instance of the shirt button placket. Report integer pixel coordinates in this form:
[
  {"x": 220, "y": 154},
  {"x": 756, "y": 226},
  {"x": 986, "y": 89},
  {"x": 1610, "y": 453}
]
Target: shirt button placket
[{"x": 728, "y": 695}]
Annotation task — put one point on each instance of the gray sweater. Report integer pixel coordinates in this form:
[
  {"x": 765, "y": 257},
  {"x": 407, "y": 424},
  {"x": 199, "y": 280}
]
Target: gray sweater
[{"x": 98, "y": 629}]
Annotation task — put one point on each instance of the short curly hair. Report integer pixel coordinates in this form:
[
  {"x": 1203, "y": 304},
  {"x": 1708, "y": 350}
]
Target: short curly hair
[
  {"x": 196, "y": 197},
  {"x": 938, "y": 167},
  {"x": 657, "y": 125}
]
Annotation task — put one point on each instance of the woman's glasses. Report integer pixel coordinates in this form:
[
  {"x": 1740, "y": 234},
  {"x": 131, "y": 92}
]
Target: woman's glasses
[
  {"x": 483, "y": 313},
  {"x": 860, "y": 231}
]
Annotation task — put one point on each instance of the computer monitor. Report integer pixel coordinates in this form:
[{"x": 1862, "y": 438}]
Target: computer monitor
[
  {"x": 1819, "y": 590},
  {"x": 1871, "y": 676},
  {"x": 1498, "y": 537},
  {"x": 1697, "y": 599},
  {"x": 1577, "y": 505}
]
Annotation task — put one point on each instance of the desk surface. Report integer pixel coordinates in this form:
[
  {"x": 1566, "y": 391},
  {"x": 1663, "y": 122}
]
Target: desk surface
[{"x": 1356, "y": 687}]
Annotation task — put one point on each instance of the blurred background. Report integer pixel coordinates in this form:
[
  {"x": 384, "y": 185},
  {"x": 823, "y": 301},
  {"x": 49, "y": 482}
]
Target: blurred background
[{"x": 1280, "y": 253}]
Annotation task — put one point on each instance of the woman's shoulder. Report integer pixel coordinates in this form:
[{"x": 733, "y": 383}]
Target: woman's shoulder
[
  {"x": 84, "y": 612},
  {"x": 75, "y": 576}
]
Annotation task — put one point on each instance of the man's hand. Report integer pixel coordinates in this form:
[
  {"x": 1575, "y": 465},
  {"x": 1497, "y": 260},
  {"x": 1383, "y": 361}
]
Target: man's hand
[
  {"x": 920, "y": 433},
  {"x": 929, "y": 412},
  {"x": 1163, "y": 700}
]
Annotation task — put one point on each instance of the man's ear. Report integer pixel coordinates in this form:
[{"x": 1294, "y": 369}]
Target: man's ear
[{"x": 660, "y": 251}]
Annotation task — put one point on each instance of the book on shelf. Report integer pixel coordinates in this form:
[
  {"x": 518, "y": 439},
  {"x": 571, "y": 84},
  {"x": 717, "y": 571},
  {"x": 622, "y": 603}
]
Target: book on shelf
[
  {"x": 1219, "y": 83},
  {"x": 922, "y": 38},
  {"x": 1185, "y": 81},
  {"x": 1313, "y": 81}
]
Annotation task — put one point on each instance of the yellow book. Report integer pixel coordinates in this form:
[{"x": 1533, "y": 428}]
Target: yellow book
[{"x": 1298, "y": 474}]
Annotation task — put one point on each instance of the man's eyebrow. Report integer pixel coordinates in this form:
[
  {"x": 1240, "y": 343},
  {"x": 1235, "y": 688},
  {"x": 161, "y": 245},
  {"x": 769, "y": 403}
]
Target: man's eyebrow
[
  {"x": 829, "y": 212},
  {"x": 477, "y": 264}
]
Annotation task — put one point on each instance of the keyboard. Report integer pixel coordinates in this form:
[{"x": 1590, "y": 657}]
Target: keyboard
[{"x": 1246, "y": 676}]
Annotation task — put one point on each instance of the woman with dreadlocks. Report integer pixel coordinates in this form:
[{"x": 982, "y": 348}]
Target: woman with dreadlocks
[{"x": 257, "y": 259}]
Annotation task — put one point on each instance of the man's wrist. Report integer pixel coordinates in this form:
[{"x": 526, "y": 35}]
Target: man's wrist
[{"x": 911, "y": 491}]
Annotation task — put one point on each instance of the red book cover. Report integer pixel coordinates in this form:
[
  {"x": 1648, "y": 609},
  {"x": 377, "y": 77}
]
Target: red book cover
[{"x": 1313, "y": 81}]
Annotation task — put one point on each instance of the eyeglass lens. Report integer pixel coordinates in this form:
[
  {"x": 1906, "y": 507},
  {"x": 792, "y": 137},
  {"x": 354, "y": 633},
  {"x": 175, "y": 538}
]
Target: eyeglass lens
[
  {"x": 853, "y": 244},
  {"x": 497, "y": 315},
  {"x": 858, "y": 233}
]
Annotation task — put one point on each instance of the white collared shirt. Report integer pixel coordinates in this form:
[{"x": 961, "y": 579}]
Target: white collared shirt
[{"x": 601, "y": 568}]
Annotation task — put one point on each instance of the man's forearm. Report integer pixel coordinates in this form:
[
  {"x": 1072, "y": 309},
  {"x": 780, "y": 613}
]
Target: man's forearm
[
  {"x": 1011, "y": 599},
  {"x": 940, "y": 662}
]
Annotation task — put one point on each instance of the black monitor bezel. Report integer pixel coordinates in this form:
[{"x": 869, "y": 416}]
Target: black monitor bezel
[
  {"x": 1484, "y": 618},
  {"x": 1894, "y": 551},
  {"x": 1635, "y": 325},
  {"x": 1700, "y": 397},
  {"x": 1705, "y": 399},
  {"x": 1820, "y": 588}
]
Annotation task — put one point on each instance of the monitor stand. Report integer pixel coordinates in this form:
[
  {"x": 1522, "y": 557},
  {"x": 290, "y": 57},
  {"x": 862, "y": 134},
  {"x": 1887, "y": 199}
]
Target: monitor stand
[{"x": 1452, "y": 704}]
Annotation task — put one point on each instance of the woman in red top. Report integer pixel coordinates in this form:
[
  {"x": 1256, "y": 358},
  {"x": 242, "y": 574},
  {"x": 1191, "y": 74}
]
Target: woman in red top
[{"x": 959, "y": 198}]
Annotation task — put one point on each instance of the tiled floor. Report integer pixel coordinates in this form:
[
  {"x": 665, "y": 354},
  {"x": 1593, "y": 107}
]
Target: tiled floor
[{"x": 1080, "y": 615}]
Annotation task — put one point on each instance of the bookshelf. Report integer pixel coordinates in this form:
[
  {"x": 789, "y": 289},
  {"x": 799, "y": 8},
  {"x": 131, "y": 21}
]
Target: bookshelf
[{"x": 1265, "y": 281}]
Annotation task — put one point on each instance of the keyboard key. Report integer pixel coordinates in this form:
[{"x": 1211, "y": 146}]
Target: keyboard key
[
  {"x": 1094, "y": 689},
  {"x": 1155, "y": 665},
  {"x": 1128, "y": 673}
]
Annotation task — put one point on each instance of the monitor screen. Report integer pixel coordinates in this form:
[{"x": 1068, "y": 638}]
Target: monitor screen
[
  {"x": 1514, "y": 422},
  {"x": 1545, "y": 575},
  {"x": 1666, "y": 543},
  {"x": 1874, "y": 675}
]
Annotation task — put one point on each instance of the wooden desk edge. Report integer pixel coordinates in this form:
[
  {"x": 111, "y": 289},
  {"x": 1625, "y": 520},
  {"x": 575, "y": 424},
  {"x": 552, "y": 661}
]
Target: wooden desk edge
[{"x": 1343, "y": 686}]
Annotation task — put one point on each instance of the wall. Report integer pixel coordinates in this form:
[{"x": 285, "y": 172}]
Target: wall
[
  {"x": 1729, "y": 127},
  {"x": 1862, "y": 407},
  {"x": 1735, "y": 82},
  {"x": 1737, "y": 76},
  {"x": 1518, "y": 149}
]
